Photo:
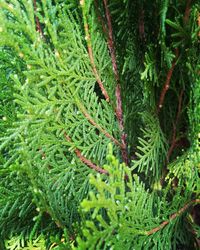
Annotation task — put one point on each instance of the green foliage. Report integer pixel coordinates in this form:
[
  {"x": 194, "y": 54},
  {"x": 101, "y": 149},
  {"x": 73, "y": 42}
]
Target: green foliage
[
  {"x": 14, "y": 243},
  {"x": 61, "y": 65},
  {"x": 151, "y": 149},
  {"x": 122, "y": 213},
  {"x": 150, "y": 73},
  {"x": 54, "y": 100},
  {"x": 10, "y": 64}
]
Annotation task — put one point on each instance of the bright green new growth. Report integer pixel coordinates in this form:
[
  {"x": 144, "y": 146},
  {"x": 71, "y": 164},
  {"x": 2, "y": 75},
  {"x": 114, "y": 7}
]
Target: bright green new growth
[
  {"x": 125, "y": 214},
  {"x": 61, "y": 65}
]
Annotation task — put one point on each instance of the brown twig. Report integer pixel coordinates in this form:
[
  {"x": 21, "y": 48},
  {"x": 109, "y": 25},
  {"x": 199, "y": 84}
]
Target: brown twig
[
  {"x": 172, "y": 217},
  {"x": 85, "y": 160},
  {"x": 187, "y": 11},
  {"x": 38, "y": 26},
  {"x": 163, "y": 93},
  {"x": 90, "y": 53},
  {"x": 121, "y": 125},
  {"x": 111, "y": 42},
  {"x": 90, "y": 119},
  {"x": 100, "y": 19},
  {"x": 174, "y": 139},
  {"x": 169, "y": 74},
  {"x": 119, "y": 111},
  {"x": 167, "y": 83}
]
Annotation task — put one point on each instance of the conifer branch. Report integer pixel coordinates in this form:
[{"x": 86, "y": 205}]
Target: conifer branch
[
  {"x": 38, "y": 26},
  {"x": 86, "y": 161},
  {"x": 91, "y": 120},
  {"x": 169, "y": 74},
  {"x": 172, "y": 217},
  {"x": 111, "y": 42},
  {"x": 119, "y": 111},
  {"x": 52, "y": 93},
  {"x": 167, "y": 83},
  {"x": 90, "y": 53}
]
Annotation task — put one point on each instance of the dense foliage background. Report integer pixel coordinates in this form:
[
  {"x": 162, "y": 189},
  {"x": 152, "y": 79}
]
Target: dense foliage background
[{"x": 99, "y": 124}]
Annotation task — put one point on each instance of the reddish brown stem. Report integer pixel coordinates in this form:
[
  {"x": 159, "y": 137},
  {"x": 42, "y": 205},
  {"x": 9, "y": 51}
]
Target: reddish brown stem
[
  {"x": 169, "y": 74},
  {"x": 121, "y": 125},
  {"x": 167, "y": 83},
  {"x": 187, "y": 11},
  {"x": 38, "y": 26},
  {"x": 96, "y": 74},
  {"x": 111, "y": 42},
  {"x": 163, "y": 93},
  {"x": 119, "y": 111},
  {"x": 172, "y": 217},
  {"x": 85, "y": 160},
  {"x": 89, "y": 163},
  {"x": 89, "y": 118},
  {"x": 90, "y": 52},
  {"x": 174, "y": 139},
  {"x": 100, "y": 19}
]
